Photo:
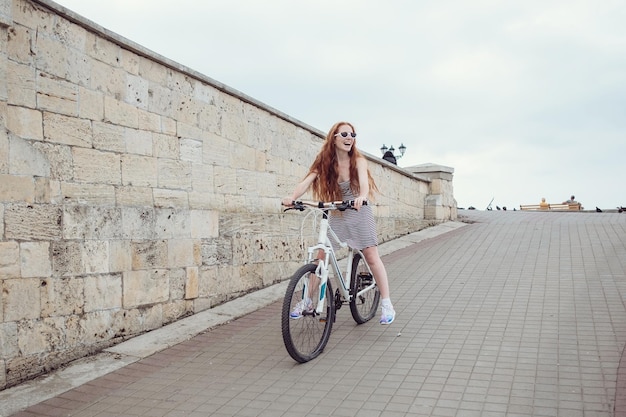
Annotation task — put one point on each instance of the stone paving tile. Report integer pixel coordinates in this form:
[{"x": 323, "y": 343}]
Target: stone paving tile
[{"x": 516, "y": 314}]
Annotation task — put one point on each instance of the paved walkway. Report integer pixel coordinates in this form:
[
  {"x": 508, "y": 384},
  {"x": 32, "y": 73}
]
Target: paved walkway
[{"x": 506, "y": 314}]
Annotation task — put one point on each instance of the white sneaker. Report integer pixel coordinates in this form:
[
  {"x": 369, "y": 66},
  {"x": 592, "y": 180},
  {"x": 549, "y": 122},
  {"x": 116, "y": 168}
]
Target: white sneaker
[
  {"x": 301, "y": 307},
  {"x": 388, "y": 316}
]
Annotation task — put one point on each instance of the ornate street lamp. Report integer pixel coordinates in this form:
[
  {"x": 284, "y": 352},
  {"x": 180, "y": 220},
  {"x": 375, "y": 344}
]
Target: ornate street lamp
[{"x": 402, "y": 150}]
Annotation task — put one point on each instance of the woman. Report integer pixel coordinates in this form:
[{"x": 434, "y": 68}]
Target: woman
[{"x": 340, "y": 173}]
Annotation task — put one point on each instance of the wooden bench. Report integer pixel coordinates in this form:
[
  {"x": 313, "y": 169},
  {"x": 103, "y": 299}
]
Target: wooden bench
[{"x": 552, "y": 207}]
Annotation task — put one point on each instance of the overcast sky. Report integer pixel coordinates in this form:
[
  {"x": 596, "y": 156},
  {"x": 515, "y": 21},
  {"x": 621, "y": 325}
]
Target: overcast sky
[{"x": 524, "y": 99}]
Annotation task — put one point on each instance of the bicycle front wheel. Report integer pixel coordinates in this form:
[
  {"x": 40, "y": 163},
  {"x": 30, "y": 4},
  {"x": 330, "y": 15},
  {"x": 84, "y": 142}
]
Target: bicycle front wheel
[
  {"x": 363, "y": 306},
  {"x": 306, "y": 332}
]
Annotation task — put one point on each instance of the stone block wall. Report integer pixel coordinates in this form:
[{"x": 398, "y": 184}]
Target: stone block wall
[{"x": 135, "y": 191}]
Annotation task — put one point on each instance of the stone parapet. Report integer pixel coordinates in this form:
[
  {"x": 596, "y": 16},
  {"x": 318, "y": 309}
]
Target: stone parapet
[
  {"x": 440, "y": 204},
  {"x": 135, "y": 191}
]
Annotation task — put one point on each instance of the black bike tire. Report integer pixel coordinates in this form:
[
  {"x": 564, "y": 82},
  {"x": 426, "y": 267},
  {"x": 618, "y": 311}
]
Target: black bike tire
[
  {"x": 294, "y": 330},
  {"x": 363, "y": 309}
]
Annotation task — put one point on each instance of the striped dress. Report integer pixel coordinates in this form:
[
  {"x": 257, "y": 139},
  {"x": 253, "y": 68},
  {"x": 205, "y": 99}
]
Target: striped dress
[{"x": 358, "y": 228}]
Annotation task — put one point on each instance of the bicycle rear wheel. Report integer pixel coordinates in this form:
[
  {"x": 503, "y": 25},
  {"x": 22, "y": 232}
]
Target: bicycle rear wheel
[
  {"x": 364, "y": 306},
  {"x": 306, "y": 337}
]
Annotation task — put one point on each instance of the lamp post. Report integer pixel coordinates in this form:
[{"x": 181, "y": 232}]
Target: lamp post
[{"x": 401, "y": 148}]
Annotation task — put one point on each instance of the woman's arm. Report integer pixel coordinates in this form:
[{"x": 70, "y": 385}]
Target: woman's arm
[{"x": 364, "y": 184}]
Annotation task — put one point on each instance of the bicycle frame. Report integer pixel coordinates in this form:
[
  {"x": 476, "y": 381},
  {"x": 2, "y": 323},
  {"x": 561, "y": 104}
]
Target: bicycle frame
[
  {"x": 306, "y": 325},
  {"x": 330, "y": 259}
]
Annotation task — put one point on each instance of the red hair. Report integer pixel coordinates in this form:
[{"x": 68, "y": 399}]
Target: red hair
[{"x": 326, "y": 184}]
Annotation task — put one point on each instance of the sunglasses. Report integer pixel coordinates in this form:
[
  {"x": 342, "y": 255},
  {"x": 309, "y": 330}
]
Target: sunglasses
[{"x": 345, "y": 134}]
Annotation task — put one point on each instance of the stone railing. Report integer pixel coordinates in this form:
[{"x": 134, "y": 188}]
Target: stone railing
[{"x": 135, "y": 191}]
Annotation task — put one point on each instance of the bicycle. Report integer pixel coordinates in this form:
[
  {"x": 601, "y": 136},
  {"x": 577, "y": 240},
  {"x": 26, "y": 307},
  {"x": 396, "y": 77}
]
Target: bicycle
[{"x": 305, "y": 337}]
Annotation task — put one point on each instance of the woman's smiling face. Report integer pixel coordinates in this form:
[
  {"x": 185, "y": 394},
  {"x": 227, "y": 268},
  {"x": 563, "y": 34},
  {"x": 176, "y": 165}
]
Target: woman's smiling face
[{"x": 344, "y": 138}]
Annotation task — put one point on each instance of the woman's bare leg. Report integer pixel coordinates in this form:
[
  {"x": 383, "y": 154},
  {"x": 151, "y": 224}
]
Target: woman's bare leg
[{"x": 378, "y": 269}]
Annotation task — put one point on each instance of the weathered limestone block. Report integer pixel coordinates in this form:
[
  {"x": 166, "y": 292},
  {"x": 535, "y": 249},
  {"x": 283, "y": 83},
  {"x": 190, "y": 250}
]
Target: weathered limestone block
[
  {"x": 78, "y": 67},
  {"x": 103, "y": 292},
  {"x": 166, "y": 146},
  {"x": 56, "y": 95},
  {"x": 192, "y": 282},
  {"x": 32, "y": 222},
  {"x": 233, "y": 118},
  {"x": 95, "y": 166},
  {"x": 90, "y": 104},
  {"x": 111, "y": 81},
  {"x": 217, "y": 151},
  {"x": 174, "y": 174},
  {"x": 9, "y": 260},
  {"x": 18, "y": 45},
  {"x": 62, "y": 296},
  {"x": 138, "y": 223},
  {"x": 176, "y": 309},
  {"x": 161, "y": 100},
  {"x": 129, "y": 61},
  {"x": 246, "y": 158},
  {"x": 67, "y": 130},
  {"x": 96, "y": 256},
  {"x": 49, "y": 55},
  {"x": 133, "y": 196},
  {"x": 225, "y": 180},
  {"x": 21, "y": 299},
  {"x": 120, "y": 113},
  {"x": 103, "y": 50},
  {"x": 205, "y": 200},
  {"x": 17, "y": 188},
  {"x": 152, "y": 317},
  {"x": 108, "y": 137},
  {"x": 21, "y": 85},
  {"x": 202, "y": 178},
  {"x": 170, "y": 198},
  {"x": 92, "y": 222},
  {"x": 120, "y": 258},
  {"x": 2, "y": 222},
  {"x": 149, "y": 122},
  {"x": 97, "y": 326},
  {"x": 137, "y": 91},
  {"x": 204, "y": 224},
  {"x": 145, "y": 287},
  {"x": 172, "y": 224},
  {"x": 39, "y": 336},
  {"x": 67, "y": 258},
  {"x": 139, "y": 142},
  {"x": 149, "y": 254},
  {"x": 139, "y": 171},
  {"x": 25, "y": 123},
  {"x": 35, "y": 260},
  {"x": 251, "y": 278},
  {"x": 152, "y": 71},
  {"x": 4, "y": 142},
  {"x": 84, "y": 193},
  {"x": 30, "y": 16},
  {"x": 183, "y": 252},
  {"x": 177, "y": 277},
  {"x": 217, "y": 251},
  {"x": 185, "y": 109},
  {"x": 8, "y": 340},
  {"x": 27, "y": 159},
  {"x": 191, "y": 150},
  {"x": 209, "y": 118},
  {"x": 58, "y": 158}
]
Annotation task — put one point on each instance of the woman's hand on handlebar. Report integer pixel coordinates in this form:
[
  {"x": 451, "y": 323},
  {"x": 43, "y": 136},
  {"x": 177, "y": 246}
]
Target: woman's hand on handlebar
[{"x": 358, "y": 202}]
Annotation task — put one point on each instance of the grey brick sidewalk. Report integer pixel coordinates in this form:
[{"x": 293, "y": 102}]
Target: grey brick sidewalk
[{"x": 514, "y": 314}]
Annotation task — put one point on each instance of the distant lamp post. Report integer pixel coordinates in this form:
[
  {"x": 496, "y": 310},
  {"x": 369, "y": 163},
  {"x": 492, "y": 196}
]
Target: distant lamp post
[{"x": 402, "y": 150}]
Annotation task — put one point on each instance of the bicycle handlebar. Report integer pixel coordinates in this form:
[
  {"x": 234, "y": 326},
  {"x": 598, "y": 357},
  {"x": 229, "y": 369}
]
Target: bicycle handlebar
[{"x": 332, "y": 205}]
